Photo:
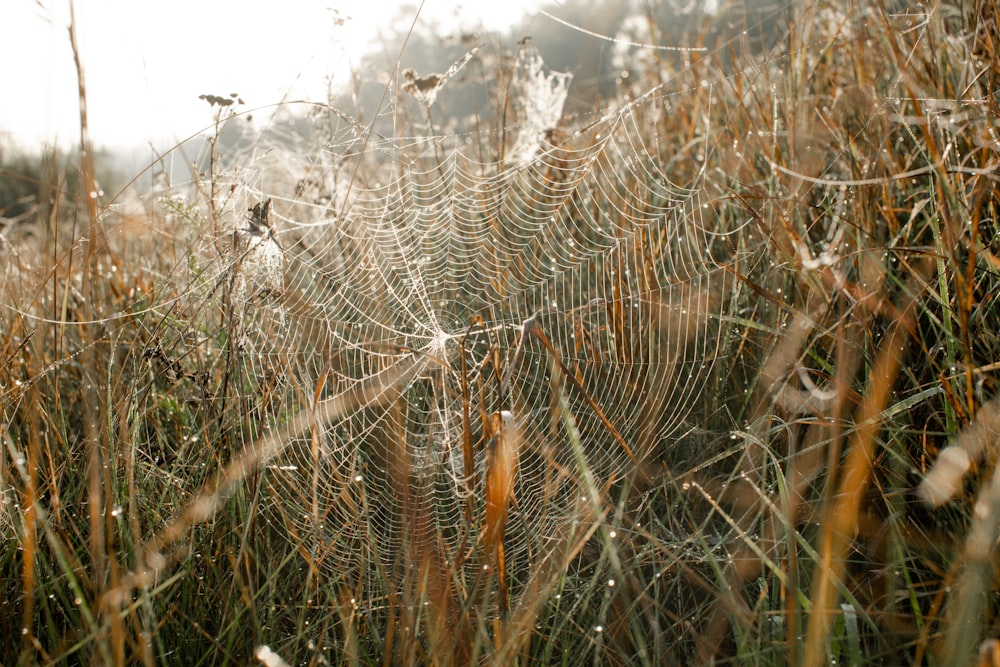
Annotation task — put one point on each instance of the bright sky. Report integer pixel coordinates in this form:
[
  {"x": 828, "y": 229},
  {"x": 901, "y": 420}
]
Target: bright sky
[{"x": 146, "y": 62}]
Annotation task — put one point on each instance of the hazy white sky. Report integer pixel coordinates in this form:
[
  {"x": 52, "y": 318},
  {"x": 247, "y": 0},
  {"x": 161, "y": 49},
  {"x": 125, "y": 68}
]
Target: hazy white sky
[{"x": 146, "y": 62}]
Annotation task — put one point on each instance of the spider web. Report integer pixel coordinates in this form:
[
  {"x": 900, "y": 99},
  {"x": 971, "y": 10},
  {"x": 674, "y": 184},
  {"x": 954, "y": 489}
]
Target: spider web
[{"x": 568, "y": 284}]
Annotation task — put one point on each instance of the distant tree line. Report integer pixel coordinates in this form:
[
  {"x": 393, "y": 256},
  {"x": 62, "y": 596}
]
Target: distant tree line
[
  {"x": 34, "y": 183},
  {"x": 750, "y": 25}
]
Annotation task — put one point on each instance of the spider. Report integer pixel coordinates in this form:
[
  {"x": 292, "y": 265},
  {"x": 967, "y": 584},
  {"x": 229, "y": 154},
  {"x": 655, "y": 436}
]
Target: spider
[{"x": 259, "y": 225}]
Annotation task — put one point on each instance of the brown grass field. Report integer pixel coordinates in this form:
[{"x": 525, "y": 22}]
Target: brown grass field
[{"x": 696, "y": 366}]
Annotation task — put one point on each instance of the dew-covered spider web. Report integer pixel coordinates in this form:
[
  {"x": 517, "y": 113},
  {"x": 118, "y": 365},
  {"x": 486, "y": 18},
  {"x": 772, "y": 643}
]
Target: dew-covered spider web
[{"x": 508, "y": 324}]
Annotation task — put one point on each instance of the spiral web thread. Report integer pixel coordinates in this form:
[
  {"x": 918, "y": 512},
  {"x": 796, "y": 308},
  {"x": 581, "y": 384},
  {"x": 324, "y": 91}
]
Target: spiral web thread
[{"x": 570, "y": 285}]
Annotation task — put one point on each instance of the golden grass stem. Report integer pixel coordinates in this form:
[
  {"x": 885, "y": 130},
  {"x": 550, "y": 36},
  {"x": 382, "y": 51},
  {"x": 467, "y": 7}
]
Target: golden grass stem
[{"x": 841, "y": 516}]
